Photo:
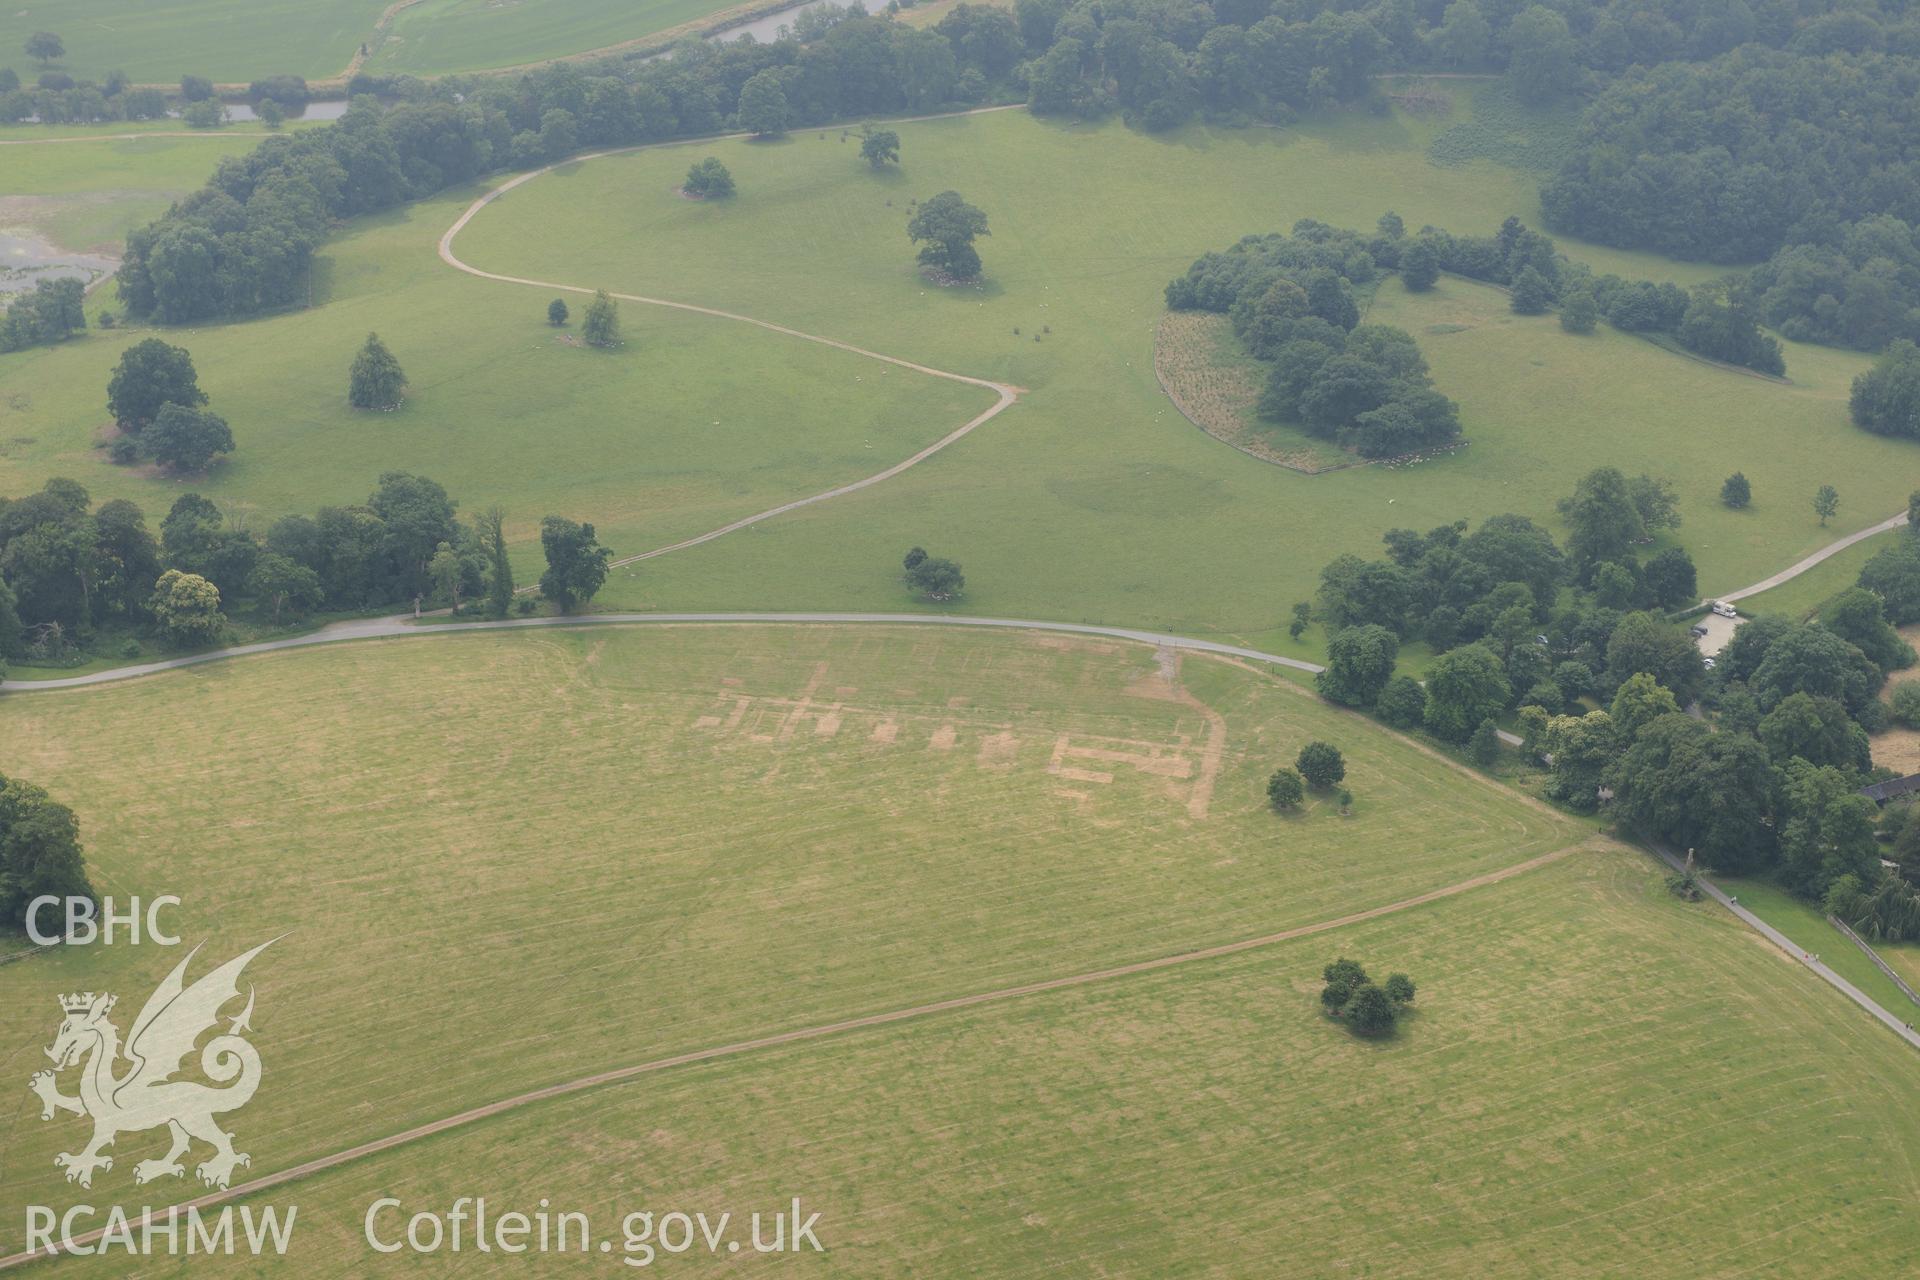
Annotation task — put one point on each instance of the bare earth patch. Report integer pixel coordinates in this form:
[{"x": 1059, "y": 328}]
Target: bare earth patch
[{"x": 1215, "y": 385}]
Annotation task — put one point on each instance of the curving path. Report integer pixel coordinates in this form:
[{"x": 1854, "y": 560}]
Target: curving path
[
  {"x": 1007, "y": 393},
  {"x": 620, "y": 1075},
  {"x": 1827, "y": 552}
]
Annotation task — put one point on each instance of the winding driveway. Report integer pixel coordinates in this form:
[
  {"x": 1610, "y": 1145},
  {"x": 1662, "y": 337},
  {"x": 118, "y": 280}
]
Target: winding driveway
[{"x": 1006, "y": 393}]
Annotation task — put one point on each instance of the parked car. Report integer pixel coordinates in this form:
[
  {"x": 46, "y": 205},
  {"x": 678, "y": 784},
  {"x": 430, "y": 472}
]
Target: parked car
[{"x": 1696, "y": 631}]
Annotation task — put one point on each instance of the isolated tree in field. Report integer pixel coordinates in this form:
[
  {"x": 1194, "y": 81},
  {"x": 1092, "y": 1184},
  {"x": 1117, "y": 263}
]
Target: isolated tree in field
[
  {"x": 376, "y": 380},
  {"x": 913, "y": 559},
  {"x": 44, "y": 47},
  {"x": 1826, "y": 503},
  {"x": 576, "y": 562},
  {"x": 492, "y": 524},
  {"x": 1532, "y": 293},
  {"x": 150, "y": 375},
  {"x": 763, "y": 105},
  {"x": 1321, "y": 764},
  {"x": 1302, "y": 618},
  {"x": 1736, "y": 492},
  {"x": 880, "y": 147},
  {"x": 1399, "y": 988},
  {"x": 600, "y": 327},
  {"x": 945, "y": 228},
  {"x": 39, "y": 851},
  {"x": 1483, "y": 748},
  {"x": 1420, "y": 266},
  {"x": 281, "y": 581},
  {"x": 187, "y": 607},
  {"x": 708, "y": 180},
  {"x": 937, "y": 578},
  {"x": 557, "y": 313},
  {"x": 187, "y": 439},
  {"x": 1285, "y": 790},
  {"x": 1579, "y": 313}
]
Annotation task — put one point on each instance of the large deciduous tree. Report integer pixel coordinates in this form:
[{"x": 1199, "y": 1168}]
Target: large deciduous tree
[
  {"x": 945, "y": 228},
  {"x": 576, "y": 562},
  {"x": 151, "y": 375},
  {"x": 187, "y": 439},
  {"x": 39, "y": 850},
  {"x": 1464, "y": 687}
]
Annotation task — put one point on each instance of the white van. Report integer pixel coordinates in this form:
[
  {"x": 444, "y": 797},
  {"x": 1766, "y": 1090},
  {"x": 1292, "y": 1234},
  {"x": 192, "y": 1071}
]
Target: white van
[{"x": 1725, "y": 610}]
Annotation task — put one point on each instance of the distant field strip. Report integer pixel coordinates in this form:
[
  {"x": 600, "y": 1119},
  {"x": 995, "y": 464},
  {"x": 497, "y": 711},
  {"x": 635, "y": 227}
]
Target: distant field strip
[{"x": 619, "y": 1075}]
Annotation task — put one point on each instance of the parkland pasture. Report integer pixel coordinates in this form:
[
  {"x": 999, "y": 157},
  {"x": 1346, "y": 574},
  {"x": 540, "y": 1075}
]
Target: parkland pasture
[
  {"x": 1092, "y": 499},
  {"x": 1138, "y": 513},
  {"x": 508, "y": 860}
]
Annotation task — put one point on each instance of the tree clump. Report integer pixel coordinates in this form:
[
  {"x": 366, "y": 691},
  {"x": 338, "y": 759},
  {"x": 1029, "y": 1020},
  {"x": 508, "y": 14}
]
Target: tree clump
[{"x": 1367, "y": 1009}]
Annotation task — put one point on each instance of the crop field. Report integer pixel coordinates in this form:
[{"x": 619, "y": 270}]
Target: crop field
[{"x": 699, "y": 833}]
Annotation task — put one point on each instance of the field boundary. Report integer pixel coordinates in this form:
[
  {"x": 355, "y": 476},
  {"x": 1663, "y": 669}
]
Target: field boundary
[{"x": 620, "y": 1075}]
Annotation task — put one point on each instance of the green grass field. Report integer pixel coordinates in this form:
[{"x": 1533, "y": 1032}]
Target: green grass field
[
  {"x": 158, "y": 41},
  {"x": 87, "y": 196},
  {"x": 1802, "y": 596},
  {"x": 1140, "y": 516},
  {"x": 702, "y": 834},
  {"x": 436, "y": 37},
  {"x": 1091, "y": 500},
  {"x": 693, "y": 423}
]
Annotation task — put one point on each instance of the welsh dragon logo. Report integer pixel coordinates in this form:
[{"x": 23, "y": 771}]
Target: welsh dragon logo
[{"x": 145, "y": 1095}]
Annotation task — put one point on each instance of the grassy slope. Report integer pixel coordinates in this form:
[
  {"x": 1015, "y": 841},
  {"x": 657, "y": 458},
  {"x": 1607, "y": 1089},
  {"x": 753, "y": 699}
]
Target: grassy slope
[
  {"x": 693, "y": 423},
  {"x": 88, "y": 196},
  {"x": 1132, "y": 514},
  {"x": 1599, "y": 1081},
  {"x": 161, "y": 40},
  {"x": 475, "y": 840}
]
